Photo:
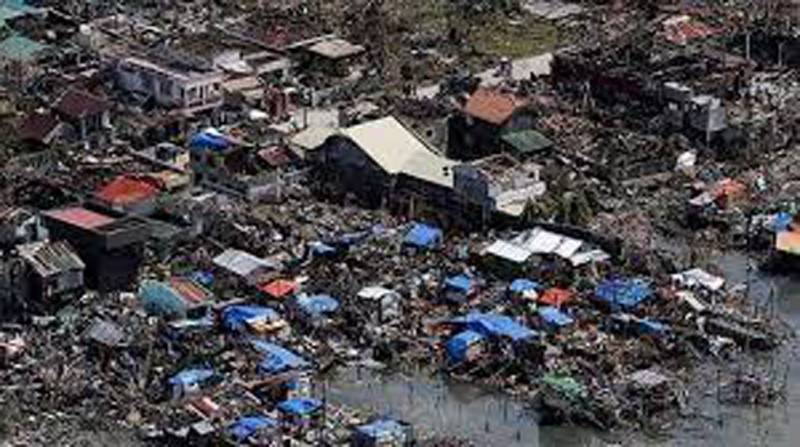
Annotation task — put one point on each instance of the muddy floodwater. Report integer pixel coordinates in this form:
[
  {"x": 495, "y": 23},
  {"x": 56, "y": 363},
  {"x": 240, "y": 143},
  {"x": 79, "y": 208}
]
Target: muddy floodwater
[{"x": 440, "y": 406}]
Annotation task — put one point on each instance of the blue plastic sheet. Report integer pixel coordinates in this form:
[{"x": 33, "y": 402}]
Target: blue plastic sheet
[
  {"x": 495, "y": 325},
  {"x": 523, "y": 285},
  {"x": 209, "y": 140},
  {"x": 189, "y": 377},
  {"x": 277, "y": 359},
  {"x": 300, "y": 406},
  {"x": 625, "y": 294},
  {"x": 317, "y": 306},
  {"x": 423, "y": 236},
  {"x": 458, "y": 345},
  {"x": 235, "y": 318},
  {"x": 554, "y": 318},
  {"x": 381, "y": 429},
  {"x": 247, "y": 426},
  {"x": 459, "y": 283}
]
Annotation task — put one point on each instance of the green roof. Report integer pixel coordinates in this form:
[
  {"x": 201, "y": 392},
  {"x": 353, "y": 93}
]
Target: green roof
[
  {"x": 20, "y": 48},
  {"x": 527, "y": 141}
]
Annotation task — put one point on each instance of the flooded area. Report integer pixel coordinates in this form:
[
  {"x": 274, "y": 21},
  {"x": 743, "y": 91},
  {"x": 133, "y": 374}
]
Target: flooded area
[{"x": 437, "y": 405}]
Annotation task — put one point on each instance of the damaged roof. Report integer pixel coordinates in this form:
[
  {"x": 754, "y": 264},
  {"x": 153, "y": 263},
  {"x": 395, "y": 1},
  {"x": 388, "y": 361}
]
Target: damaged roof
[
  {"x": 77, "y": 104},
  {"x": 38, "y": 127},
  {"x": 50, "y": 258},
  {"x": 397, "y": 150},
  {"x": 80, "y": 217},
  {"x": 336, "y": 49},
  {"x": 125, "y": 190},
  {"x": 492, "y": 105}
]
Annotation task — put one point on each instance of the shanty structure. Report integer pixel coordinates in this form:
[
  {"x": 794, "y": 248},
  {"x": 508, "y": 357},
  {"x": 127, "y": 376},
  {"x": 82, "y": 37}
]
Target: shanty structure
[{"x": 54, "y": 271}]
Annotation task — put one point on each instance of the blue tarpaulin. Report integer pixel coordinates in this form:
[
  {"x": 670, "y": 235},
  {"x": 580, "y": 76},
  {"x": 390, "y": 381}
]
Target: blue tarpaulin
[
  {"x": 247, "y": 426},
  {"x": 423, "y": 236},
  {"x": 652, "y": 327},
  {"x": 321, "y": 249},
  {"x": 204, "y": 278},
  {"x": 458, "y": 345},
  {"x": 235, "y": 318},
  {"x": 495, "y": 325},
  {"x": 189, "y": 377},
  {"x": 781, "y": 222},
  {"x": 459, "y": 283},
  {"x": 300, "y": 406},
  {"x": 523, "y": 285},
  {"x": 316, "y": 306},
  {"x": 209, "y": 139},
  {"x": 159, "y": 298},
  {"x": 623, "y": 294},
  {"x": 554, "y": 318},
  {"x": 277, "y": 359},
  {"x": 382, "y": 432}
]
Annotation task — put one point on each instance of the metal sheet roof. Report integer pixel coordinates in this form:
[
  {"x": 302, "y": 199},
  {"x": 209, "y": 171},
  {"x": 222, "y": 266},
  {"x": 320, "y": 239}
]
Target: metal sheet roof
[{"x": 50, "y": 258}]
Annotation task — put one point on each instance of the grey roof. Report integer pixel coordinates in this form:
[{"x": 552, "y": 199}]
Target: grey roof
[{"x": 50, "y": 258}]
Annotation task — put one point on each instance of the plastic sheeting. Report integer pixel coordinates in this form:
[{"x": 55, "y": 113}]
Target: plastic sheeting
[
  {"x": 277, "y": 359},
  {"x": 236, "y": 318},
  {"x": 159, "y": 298},
  {"x": 458, "y": 345},
  {"x": 316, "y": 306},
  {"x": 247, "y": 426},
  {"x": 554, "y": 318},
  {"x": 423, "y": 236},
  {"x": 623, "y": 294},
  {"x": 495, "y": 325},
  {"x": 301, "y": 406}
]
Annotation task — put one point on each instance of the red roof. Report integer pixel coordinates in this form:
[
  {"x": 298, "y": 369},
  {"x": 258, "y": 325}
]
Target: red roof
[
  {"x": 80, "y": 217},
  {"x": 125, "y": 190},
  {"x": 555, "y": 297},
  {"x": 279, "y": 288},
  {"x": 492, "y": 105},
  {"x": 189, "y": 290}
]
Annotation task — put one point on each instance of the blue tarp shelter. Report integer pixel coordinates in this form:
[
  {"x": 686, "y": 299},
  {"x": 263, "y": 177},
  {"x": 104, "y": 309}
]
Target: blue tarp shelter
[
  {"x": 423, "y": 236},
  {"x": 459, "y": 283},
  {"x": 277, "y": 359},
  {"x": 300, "y": 406},
  {"x": 235, "y": 318},
  {"x": 191, "y": 376},
  {"x": 160, "y": 298},
  {"x": 495, "y": 325},
  {"x": 458, "y": 345},
  {"x": 209, "y": 139},
  {"x": 383, "y": 432},
  {"x": 554, "y": 318},
  {"x": 625, "y": 294},
  {"x": 247, "y": 426},
  {"x": 652, "y": 327},
  {"x": 781, "y": 221},
  {"x": 523, "y": 285},
  {"x": 317, "y": 306}
]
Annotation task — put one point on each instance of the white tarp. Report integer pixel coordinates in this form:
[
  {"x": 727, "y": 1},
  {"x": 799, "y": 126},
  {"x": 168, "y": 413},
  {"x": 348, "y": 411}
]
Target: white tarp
[
  {"x": 508, "y": 251},
  {"x": 698, "y": 277}
]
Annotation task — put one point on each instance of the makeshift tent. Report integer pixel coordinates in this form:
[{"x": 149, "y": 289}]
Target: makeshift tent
[
  {"x": 495, "y": 325},
  {"x": 317, "y": 306},
  {"x": 280, "y": 288},
  {"x": 383, "y": 432},
  {"x": 523, "y": 285},
  {"x": 237, "y": 318},
  {"x": 159, "y": 298},
  {"x": 423, "y": 236},
  {"x": 459, "y": 345},
  {"x": 623, "y": 294},
  {"x": 554, "y": 318},
  {"x": 300, "y": 406},
  {"x": 277, "y": 359},
  {"x": 555, "y": 297},
  {"x": 247, "y": 426},
  {"x": 209, "y": 139},
  {"x": 459, "y": 283}
]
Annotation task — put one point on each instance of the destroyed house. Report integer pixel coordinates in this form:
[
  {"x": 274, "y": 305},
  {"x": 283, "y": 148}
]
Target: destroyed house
[
  {"x": 171, "y": 84},
  {"x": 54, "y": 271},
  {"x": 330, "y": 55},
  {"x": 499, "y": 184},
  {"x": 85, "y": 112},
  {"x": 488, "y": 114},
  {"x": 112, "y": 248}
]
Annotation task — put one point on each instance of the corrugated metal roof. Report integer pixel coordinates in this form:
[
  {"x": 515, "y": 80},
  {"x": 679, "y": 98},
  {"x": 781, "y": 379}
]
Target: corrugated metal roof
[
  {"x": 50, "y": 258},
  {"x": 242, "y": 263},
  {"x": 125, "y": 190},
  {"x": 527, "y": 141},
  {"x": 398, "y": 151},
  {"x": 509, "y": 251}
]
